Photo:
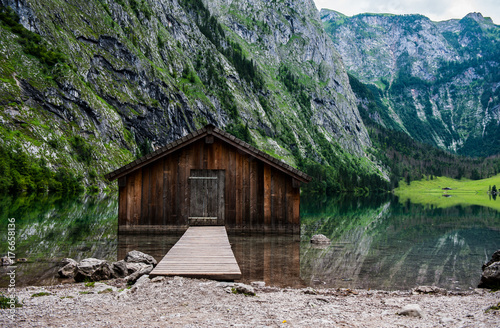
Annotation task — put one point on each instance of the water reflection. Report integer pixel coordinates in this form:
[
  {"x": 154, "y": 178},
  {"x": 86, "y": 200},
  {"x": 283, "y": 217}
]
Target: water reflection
[
  {"x": 377, "y": 242},
  {"x": 383, "y": 244},
  {"x": 51, "y": 227},
  {"x": 274, "y": 259},
  {"x": 154, "y": 245}
]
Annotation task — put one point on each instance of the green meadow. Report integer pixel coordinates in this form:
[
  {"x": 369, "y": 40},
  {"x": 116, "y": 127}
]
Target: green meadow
[{"x": 463, "y": 192}]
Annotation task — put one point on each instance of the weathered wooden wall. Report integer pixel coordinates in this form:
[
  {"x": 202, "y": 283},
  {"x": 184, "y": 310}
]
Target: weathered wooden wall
[{"x": 257, "y": 196}]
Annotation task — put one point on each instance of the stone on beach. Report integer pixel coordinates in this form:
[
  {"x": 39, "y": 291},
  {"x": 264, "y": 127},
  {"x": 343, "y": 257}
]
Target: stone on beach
[
  {"x": 69, "y": 268},
  {"x": 412, "y": 310},
  {"x": 139, "y": 257},
  {"x": 92, "y": 269},
  {"x": 135, "y": 265},
  {"x": 491, "y": 273}
]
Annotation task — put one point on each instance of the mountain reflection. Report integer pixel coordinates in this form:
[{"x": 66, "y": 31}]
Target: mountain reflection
[{"x": 380, "y": 243}]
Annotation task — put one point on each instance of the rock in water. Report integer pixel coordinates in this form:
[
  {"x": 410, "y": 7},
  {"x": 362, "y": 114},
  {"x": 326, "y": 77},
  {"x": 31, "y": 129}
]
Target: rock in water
[
  {"x": 412, "y": 310},
  {"x": 92, "y": 269},
  {"x": 140, "y": 257},
  {"x": 494, "y": 258},
  {"x": 491, "y": 276},
  {"x": 320, "y": 239}
]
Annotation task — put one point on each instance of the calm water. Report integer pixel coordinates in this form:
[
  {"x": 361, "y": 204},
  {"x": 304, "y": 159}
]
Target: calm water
[{"x": 377, "y": 242}]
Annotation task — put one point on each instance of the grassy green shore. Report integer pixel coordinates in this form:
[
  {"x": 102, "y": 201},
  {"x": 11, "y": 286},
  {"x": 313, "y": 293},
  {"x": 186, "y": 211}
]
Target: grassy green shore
[{"x": 462, "y": 192}]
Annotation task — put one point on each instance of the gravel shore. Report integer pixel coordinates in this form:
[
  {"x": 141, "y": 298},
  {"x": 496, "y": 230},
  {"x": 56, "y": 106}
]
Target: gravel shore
[{"x": 184, "y": 302}]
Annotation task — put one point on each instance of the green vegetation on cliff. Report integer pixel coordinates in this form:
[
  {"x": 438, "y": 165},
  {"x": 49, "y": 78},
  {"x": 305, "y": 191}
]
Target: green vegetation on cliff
[
  {"x": 409, "y": 159},
  {"x": 439, "y": 81},
  {"x": 86, "y": 88}
]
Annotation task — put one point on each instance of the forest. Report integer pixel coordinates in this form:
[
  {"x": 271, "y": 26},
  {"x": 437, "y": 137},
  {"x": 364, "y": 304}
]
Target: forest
[{"x": 409, "y": 159}]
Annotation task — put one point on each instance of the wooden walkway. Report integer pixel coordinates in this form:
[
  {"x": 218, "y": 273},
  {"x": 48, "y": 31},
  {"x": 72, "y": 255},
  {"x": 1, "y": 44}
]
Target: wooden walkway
[{"x": 202, "y": 252}]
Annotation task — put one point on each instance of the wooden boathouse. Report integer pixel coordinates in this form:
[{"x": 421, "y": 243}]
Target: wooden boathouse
[{"x": 208, "y": 177}]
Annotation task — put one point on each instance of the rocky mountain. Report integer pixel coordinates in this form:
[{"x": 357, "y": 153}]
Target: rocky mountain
[
  {"x": 437, "y": 81},
  {"x": 90, "y": 85}
]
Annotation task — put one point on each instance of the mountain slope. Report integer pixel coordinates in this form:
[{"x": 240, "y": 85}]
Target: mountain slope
[
  {"x": 115, "y": 79},
  {"x": 439, "y": 80}
]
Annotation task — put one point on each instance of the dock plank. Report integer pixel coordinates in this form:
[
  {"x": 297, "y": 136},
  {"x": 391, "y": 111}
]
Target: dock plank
[{"x": 202, "y": 252}]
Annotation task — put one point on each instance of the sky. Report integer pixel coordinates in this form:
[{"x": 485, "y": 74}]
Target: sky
[{"x": 436, "y": 10}]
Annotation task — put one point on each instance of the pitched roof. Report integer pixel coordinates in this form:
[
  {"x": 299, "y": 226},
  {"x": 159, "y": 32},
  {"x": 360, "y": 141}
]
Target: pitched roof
[{"x": 199, "y": 134}]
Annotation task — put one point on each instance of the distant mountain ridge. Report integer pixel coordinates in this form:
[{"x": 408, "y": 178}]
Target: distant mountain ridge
[{"x": 439, "y": 81}]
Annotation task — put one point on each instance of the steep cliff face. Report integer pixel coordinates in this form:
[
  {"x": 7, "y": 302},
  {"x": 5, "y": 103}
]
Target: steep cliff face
[
  {"x": 439, "y": 80},
  {"x": 120, "y": 78}
]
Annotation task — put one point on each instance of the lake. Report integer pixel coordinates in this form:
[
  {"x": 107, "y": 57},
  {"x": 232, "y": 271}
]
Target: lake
[{"x": 378, "y": 242}]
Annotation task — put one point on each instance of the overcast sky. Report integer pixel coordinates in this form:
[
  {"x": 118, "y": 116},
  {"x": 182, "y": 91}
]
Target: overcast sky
[{"x": 436, "y": 10}]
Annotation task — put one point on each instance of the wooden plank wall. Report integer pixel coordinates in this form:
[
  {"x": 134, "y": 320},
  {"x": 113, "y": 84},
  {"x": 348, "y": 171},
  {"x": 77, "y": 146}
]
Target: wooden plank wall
[{"x": 257, "y": 196}]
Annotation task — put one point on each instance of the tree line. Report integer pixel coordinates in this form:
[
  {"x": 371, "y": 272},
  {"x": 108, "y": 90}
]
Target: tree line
[{"x": 408, "y": 159}]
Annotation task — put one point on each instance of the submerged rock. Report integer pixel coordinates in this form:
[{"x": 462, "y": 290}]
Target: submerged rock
[{"x": 320, "y": 239}]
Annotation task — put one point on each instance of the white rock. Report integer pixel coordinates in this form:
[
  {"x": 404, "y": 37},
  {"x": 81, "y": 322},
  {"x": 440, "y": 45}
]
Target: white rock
[
  {"x": 320, "y": 239},
  {"x": 412, "y": 310}
]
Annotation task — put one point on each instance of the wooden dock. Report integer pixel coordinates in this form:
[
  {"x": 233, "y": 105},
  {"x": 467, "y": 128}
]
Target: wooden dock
[{"x": 202, "y": 252}]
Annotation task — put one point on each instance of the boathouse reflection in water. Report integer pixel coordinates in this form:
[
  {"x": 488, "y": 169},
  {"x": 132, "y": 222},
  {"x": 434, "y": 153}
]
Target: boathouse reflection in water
[{"x": 274, "y": 259}]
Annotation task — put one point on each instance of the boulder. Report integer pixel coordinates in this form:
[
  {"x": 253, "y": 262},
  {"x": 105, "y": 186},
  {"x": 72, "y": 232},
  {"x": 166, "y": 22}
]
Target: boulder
[
  {"x": 67, "y": 260},
  {"x": 92, "y": 269},
  {"x": 134, "y": 267},
  {"x": 320, "y": 239},
  {"x": 139, "y": 269},
  {"x": 142, "y": 280},
  {"x": 412, "y": 310},
  {"x": 69, "y": 267},
  {"x": 119, "y": 269},
  {"x": 139, "y": 257},
  {"x": 491, "y": 276},
  {"x": 494, "y": 258}
]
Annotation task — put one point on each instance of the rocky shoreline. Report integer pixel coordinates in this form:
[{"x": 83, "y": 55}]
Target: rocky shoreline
[
  {"x": 122, "y": 294},
  {"x": 185, "y": 302}
]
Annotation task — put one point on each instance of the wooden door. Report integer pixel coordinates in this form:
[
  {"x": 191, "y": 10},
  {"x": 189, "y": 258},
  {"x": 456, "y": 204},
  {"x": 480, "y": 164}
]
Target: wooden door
[{"x": 206, "y": 206}]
